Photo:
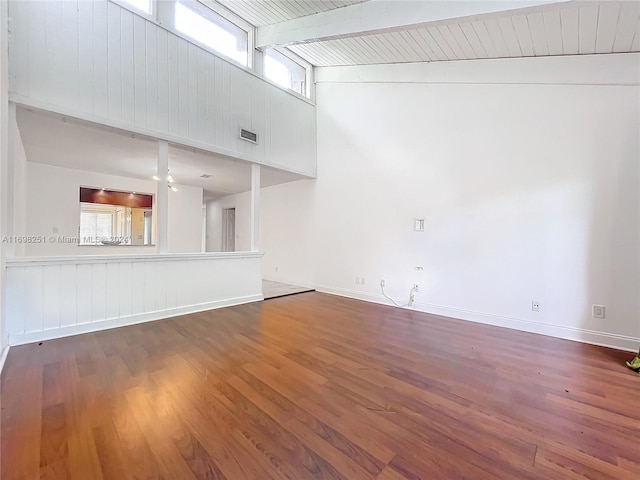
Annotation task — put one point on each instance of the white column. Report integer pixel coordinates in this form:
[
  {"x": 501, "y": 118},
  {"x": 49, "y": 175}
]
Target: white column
[
  {"x": 258, "y": 62},
  {"x": 18, "y": 163},
  {"x": 8, "y": 187},
  {"x": 255, "y": 207},
  {"x": 165, "y": 13},
  {"x": 162, "y": 197},
  {"x": 204, "y": 227}
]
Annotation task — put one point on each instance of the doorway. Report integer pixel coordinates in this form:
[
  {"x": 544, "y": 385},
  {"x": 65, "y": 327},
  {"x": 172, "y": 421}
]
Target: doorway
[{"x": 229, "y": 230}]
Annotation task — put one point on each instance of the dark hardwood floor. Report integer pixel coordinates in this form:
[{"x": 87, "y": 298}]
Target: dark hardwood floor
[{"x": 317, "y": 386}]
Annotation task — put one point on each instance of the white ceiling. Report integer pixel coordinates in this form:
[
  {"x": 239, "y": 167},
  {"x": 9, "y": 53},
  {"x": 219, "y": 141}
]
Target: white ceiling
[
  {"x": 268, "y": 12},
  {"x": 399, "y": 31},
  {"x": 84, "y": 146},
  {"x": 569, "y": 29}
]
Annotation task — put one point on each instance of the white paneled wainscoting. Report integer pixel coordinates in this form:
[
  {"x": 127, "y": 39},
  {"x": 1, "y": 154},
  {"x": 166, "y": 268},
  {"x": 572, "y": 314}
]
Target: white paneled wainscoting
[{"x": 51, "y": 297}]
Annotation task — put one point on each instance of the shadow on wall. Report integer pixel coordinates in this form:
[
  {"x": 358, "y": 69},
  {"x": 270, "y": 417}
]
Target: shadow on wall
[{"x": 614, "y": 250}]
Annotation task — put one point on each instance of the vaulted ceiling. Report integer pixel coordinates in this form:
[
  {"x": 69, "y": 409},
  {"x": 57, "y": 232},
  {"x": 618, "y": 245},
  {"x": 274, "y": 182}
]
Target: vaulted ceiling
[{"x": 386, "y": 31}]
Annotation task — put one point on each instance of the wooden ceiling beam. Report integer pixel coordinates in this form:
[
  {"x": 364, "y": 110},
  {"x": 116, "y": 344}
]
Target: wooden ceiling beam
[{"x": 382, "y": 16}]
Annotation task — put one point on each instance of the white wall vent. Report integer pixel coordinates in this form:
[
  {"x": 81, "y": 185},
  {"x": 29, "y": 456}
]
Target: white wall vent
[{"x": 248, "y": 136}]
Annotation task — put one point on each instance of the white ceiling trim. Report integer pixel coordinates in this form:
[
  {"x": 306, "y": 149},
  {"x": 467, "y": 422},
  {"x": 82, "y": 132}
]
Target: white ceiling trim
[
  {"x": 378, "y": 16},
  {"x": 615, "y": 69}
]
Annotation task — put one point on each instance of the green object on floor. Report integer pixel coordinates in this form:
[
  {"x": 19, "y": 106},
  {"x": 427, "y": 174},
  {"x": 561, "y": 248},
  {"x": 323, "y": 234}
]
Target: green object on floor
[{"x": 635, "y": 363}]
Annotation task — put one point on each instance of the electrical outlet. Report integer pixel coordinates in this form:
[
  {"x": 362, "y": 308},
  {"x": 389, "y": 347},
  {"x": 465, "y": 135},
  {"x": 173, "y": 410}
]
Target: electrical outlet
[
  {"x": 357, "y": 280},
  {"x": 598, "y": 311},
  {"x": 535, "y": 306},
  {"x": 362, "y": 281},
  {"x": 382, "y": 283},
  {"x": 416, "y": 287}
]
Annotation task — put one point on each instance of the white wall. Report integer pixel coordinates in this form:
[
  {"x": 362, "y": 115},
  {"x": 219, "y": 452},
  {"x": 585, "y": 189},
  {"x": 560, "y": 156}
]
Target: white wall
[
  {"x": 53, "y": 209},
  {"x": 4, "y": 164},
  {"x": 526, "y": 172},
  {"x": 242, "y": 203},
  {"x": 98, "y": 61}
]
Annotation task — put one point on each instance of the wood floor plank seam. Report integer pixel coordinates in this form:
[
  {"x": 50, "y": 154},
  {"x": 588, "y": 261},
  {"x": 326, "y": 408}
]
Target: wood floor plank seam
[{"x": 314, "y": 386}]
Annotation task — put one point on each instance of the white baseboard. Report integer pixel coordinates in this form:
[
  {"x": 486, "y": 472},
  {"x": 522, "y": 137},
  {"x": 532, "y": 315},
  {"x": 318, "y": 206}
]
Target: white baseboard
[
  {"x": 3, "y": 357},
  {"x": 620, "y": 342},
  {"x": 30, "y": 337}
]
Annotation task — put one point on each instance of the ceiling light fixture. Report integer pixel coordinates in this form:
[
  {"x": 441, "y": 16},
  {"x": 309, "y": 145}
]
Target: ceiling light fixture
[{"x": 170, "y": 180}]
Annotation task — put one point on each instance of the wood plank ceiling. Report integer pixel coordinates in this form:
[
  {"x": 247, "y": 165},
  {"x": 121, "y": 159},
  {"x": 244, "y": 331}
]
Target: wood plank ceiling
[
  {"x": 268, "y": 12},
  {"x": 572, "y": 28}
]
